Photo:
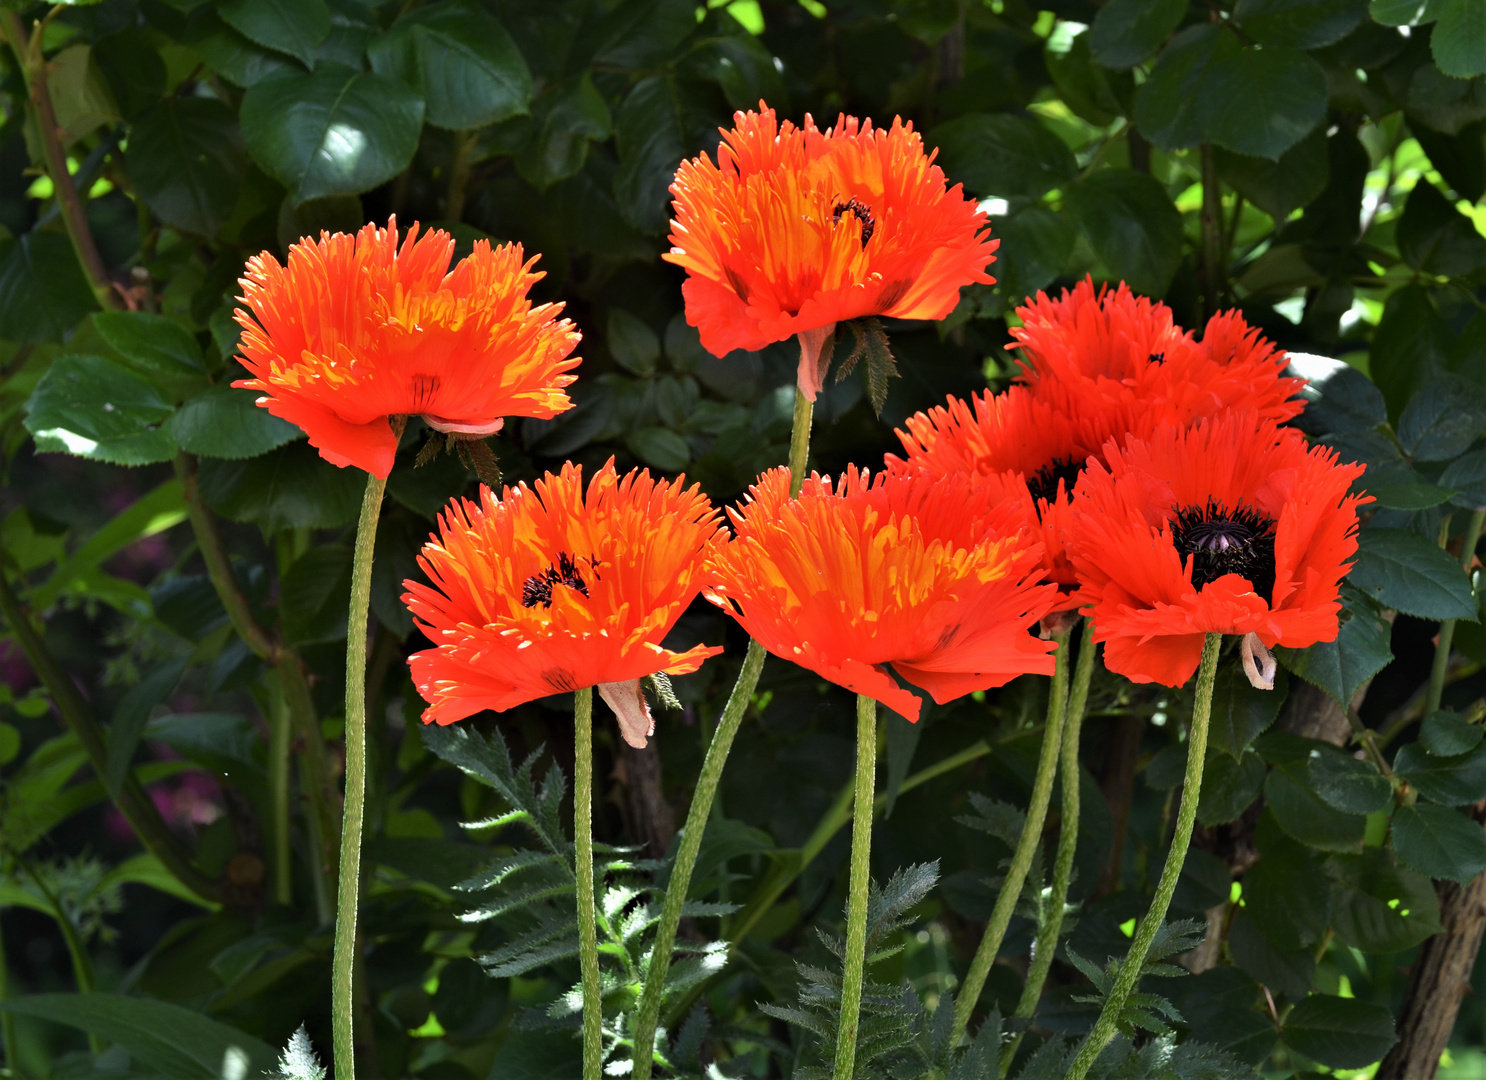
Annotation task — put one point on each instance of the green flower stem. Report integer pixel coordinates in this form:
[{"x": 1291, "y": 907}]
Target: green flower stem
[
  {"x": 1052, "y": 926},
  {"x": 348, "y": 892},
  {"x": 857, "y": 890},
  {"x": 647, "y": 1016},
  {"x": 1027, "y": 843},
  {"x": 1447, "y": 628},
  {"x": 279, "y": 740},
  {"x": 588, "y": 939},
  {"x": 1130, "y": 968}
]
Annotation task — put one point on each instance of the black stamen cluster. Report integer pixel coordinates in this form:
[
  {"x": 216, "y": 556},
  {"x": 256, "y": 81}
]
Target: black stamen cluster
[
  {"x": 862, "y": 212},
  {"x": 1222, "y": 541},
  {"x": 537, "y": 589},
  {"x": 1043, "y": 484}
]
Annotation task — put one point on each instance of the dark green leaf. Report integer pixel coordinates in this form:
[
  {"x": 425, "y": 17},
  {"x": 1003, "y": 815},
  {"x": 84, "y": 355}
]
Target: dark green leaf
[
  {"x": 1467, "y": 475},
  {"x": 1379, "y": 906},
  {"x": 1287, "y": 972},
  {"x": 1092, "y": 92},
  {"x": 1339, "y": 398},
  {"x": 1300, "y": 24},
  {"x": 634, "y": 346},
  {"x": 1036, "y": 244},
  {"x": 133, "y": 713},
  {"x": 1229, "y": 787},
  {"x": 1439, "y": 842},
  {"x": 1459, "y": 38},
  {"x": 168, "y": 1039},
  {"x": 1261, "y": 102},
  {"x": 1002, "y": 154},
  {"x": 292, "y": 27},
  {"x": 338, "y": 131},
  {"x": 186, "y": 159},
  {"x": 1460, "y": 158},
  {"x": 1453, "y": 781},
  {"x": 1240, "y": 713},
  {"x": 1303, "y": 816},
  {"x": 1347, "y": 783},
  {"x": 1280, "y": 187},
  {"x": 315, "y": 596},
  {"x": 1404, "y": 571},
  {"x": 1410, "y": 346},
  {"x": 43, "y": 292},
  {"x": 292, "y": 487},
  {"x": 400, "y": 536},
  {"x": 1169, "y": 108},
  {"x": 228, "y": 53},
  {"x": 1132, "y": 226},
  {"x": 1445, "y": 733},
  {"x": 1404, "y": 489},
  {"x": 1435, "y": 237},
  {"x": 652, "y": 135},
  {"x": 1126, "y": 32},
  {"x": 92, "y": 407},
  {"x": 660, "y": 448},
  {"x": 226, "y": 423},
  {"x": 1403, "y": 12},
  {"x": 1344, "y": 1033},
  {"x": 1360, "y": 651},
  {"x": 570, "y": 118},
  {"x": 1281, "y": 896},
  {"x": 134, "y": 71},
  {"x": 160, "y": 349},
  {"x": 461, "y": 60}
]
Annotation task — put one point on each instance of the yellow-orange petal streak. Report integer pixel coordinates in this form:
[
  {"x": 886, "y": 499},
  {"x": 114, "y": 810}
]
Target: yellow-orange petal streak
[
  {"x": 355, "y": 329},
  {"x": 921, "y": 574},
  {"x": 545, "y": 591},
  {"x": 793, "y": 229}
]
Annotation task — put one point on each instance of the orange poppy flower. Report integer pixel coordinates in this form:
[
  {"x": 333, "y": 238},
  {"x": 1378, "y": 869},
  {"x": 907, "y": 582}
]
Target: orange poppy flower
[
  {"x": 355, "y": 330},
  {"x": 544, "y": 592},
  {"x": 1126, "y": 351},
  {"x": 796, "y": 229},
  {"x": 1232, "y": 526},
  {"x": 917, "y": 572},
  {"x": 1027, "y": 450}
]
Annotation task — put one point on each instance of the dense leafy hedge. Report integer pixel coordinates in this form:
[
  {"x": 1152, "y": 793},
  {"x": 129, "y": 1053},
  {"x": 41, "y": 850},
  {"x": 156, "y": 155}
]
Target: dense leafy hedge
[{"x": 1319, "y": 164}]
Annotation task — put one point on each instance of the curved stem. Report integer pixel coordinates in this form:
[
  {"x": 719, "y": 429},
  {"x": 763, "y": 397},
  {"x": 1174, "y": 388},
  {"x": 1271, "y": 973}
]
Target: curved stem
[
  {"x": 1447, "y": 628},
  {"x": 852, "y": 976},
  {"x": 132, "y": 800},
  {"x": 1134, "y": 962},
  {"x": 279, "y": 739},
  {"x": 343, "y": 963},
  {"x": 1068, "y": 769},
  {"x": 588, "y": 944},
  {"x": 647, "y": 1016},
  {"x": 1026, "y": 847}
]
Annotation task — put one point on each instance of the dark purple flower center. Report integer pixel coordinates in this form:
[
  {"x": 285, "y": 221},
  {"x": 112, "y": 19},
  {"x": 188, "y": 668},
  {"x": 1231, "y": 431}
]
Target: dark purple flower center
[
  {"x": 1221, "y": 541},
  {"x": 1043, "y": 484},
  {"x": 537, "y": 589}
]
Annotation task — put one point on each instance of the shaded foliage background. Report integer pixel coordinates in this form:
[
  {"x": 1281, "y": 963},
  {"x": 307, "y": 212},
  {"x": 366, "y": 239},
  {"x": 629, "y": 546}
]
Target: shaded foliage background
[{"x": 1319, "y": 164}]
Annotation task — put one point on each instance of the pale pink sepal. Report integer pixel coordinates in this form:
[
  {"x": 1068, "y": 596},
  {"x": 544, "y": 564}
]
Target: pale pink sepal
[
  {"x": 631, "y": 709},
  {"x": 812, "y": 371},
  {"x": 451, "y": 427},
  {"x": 1258, "y": 662}
]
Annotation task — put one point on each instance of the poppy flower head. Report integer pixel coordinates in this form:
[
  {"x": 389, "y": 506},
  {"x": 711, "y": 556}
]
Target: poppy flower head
[
  {"x": 917, "y": 572},
  {"x": 1232, "y": 526},
  {"x": 1114, "y": 349},
  {"x": 794, "y": 229},
  {"x": 355, "y": 329},
  {"x": 550, "y": 590},
  {"x": 1041, "y": 441}
]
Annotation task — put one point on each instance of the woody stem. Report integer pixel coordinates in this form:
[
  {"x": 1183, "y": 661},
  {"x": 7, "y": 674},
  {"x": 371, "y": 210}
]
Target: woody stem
[
  {"x": 1145, "y": 934},
  {"x": 348, "y": 892},
  {"x": 1027, "y": 843},
  {"x": 858, "y": 889},
  {"x": 648, "y": 1014},
  {"x": 1052, "y": 923},
  {"x": 588, "y": 944}
]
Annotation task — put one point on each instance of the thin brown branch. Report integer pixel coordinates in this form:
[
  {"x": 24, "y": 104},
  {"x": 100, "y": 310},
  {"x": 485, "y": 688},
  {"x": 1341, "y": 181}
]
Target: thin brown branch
[{"x": 33, "y": 66}]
